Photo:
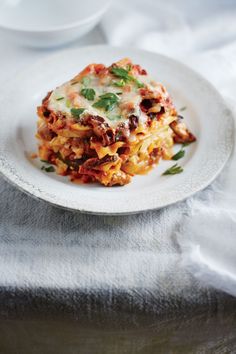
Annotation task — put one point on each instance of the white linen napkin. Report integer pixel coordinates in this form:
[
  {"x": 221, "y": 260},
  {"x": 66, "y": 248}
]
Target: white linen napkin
[{"x": 204, "y": 37}]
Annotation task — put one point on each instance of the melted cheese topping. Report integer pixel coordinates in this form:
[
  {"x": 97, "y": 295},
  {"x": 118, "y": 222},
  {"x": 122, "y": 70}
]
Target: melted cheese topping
[{"x": 69, "y": 96}]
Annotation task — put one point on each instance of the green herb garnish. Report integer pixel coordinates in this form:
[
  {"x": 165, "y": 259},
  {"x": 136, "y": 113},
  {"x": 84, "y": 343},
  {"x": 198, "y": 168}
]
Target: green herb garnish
[
  {"x": 60, "y": 98},
  {"x": 121, "y": 73},
  {"x": 76, "y": 112},
  {"x": 118, "y": 117},
  {"x": 187, "y": 143},
  {"x": 85, "y": 81},
  {"x": 118, "y": 136},
  {"x": 120, "y": 83},
  {"x": 175, "y": 169},
  {"x": 48, "y": 168},
  {"x": 88, "y": 93},
  {"x": 183, "y": 108},
  {"x": 178, "y": 155},
  {"x": 107, "y": 101},
  {"x": 68, "y": 103},
  {"x": 139, "y": 83},
  {"x": 124, "y": 75}
]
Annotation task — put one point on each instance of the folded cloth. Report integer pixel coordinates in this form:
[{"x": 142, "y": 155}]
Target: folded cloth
[{"x": 196, "y": 35}]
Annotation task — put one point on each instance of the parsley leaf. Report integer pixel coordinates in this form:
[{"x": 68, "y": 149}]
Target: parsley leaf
[
  {"x": 138, "y": 83},
  {"x": 121, "y": 73},
  {"x": 76, "y": 112},
  {"x": 120, "y": 83},
  {"x": 48, "y": 168},
  {"x": 107, "y": 101},
  {"x": 60, "y": 98},
  {"x": 178, "y": 155},
  {"x": 88, "y": 93},
  {"x": 124, "y": 75},
  {"x": 173, "y": 170},
  {"x": 85, "y": 81}
]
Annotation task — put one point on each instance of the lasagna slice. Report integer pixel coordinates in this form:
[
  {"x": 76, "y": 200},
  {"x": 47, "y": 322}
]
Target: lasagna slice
[{"x": 108, "y": 124}]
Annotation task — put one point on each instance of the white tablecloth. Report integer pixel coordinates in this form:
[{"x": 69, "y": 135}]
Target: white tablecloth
[{"x": 177, "y": 252}]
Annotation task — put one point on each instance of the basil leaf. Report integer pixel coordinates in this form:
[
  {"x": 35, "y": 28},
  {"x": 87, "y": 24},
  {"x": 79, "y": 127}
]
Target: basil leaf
[
  {"x": 175, "y": 169},
  {"x": 107, "y": 101},
  {"x": 178, "y": 155},
  {"x": 76, "y": 112},
  {"x": 88, "y": 93}
]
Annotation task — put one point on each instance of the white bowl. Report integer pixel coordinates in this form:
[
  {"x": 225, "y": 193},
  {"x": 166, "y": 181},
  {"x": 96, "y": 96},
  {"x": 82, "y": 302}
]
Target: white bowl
[{"x": 47, "y": 23}]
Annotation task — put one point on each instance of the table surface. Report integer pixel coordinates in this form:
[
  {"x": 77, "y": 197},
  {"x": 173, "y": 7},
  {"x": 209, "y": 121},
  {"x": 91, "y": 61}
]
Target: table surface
[{"x": 44, "y": 323}]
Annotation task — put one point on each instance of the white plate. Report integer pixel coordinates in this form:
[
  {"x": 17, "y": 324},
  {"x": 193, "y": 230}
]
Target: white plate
[{"x": 206, "y": 115}]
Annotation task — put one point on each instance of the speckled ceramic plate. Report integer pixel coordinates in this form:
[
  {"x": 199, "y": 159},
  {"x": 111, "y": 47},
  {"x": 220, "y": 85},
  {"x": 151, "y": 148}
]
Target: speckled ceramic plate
[{"x": 206, "y": 114}]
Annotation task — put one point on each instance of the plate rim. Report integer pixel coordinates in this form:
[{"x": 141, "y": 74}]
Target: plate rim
[{"x": 8, "y": 177}]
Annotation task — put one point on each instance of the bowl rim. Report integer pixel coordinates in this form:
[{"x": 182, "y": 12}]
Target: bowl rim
[{"x": 96, "y": 16}]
